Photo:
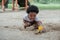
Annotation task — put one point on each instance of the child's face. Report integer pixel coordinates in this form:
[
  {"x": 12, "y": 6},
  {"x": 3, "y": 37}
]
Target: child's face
[{"x": 32, "y": 15}]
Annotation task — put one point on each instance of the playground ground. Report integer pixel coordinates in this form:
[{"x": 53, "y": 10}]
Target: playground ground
[{"x": 11, "y": 25}]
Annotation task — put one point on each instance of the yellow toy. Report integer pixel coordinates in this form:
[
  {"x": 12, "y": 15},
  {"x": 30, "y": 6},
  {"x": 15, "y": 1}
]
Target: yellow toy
[{"x": 40, "y": 28}]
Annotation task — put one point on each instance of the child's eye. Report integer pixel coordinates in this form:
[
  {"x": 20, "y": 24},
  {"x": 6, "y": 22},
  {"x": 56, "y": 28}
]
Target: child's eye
[{"x": 32, "y": 15}]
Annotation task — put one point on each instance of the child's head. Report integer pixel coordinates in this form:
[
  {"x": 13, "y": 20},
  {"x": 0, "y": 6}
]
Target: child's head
[{"x": 32, "y": 11}]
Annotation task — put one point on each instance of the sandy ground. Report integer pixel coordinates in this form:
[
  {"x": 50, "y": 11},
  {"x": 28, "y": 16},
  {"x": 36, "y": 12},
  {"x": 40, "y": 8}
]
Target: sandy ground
[{"x": 11, "y": 25}]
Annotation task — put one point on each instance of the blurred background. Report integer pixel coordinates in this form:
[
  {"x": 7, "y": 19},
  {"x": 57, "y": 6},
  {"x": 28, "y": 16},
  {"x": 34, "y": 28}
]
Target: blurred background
[
  {"x": 46, "y": 4},
  {"x": 42, "y": 4}
]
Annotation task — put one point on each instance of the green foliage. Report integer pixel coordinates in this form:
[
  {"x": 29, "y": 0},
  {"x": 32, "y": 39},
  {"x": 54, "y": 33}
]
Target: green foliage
[
  {"x": 47, "y": 1},
  {"x": 0, "y": 0},
  {"x": 10, "y": 1},
  {"x": 44, "y": 1}
]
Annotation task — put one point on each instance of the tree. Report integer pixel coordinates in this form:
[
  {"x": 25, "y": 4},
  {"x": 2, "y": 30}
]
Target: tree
[{"x": 38, "y": 1}]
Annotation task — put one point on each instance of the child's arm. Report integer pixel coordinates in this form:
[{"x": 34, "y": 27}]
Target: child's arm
[
  {"x": 39, "y": 23},
  {"x": 26, "y": 24}
]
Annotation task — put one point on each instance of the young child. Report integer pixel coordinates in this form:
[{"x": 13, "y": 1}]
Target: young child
[{"x": 31, "y": 18}]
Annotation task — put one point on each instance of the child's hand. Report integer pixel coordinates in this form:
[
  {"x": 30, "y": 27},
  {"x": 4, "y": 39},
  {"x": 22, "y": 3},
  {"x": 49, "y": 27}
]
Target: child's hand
[{"x": 27, "y": 24}]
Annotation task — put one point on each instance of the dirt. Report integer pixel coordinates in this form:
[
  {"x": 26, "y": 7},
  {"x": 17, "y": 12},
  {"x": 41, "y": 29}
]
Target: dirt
[{"x": 11, "y": 26}]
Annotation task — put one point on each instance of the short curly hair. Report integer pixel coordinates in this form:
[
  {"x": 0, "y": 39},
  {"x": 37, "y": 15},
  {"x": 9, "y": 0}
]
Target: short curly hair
[{"x": 32, "y": 8}]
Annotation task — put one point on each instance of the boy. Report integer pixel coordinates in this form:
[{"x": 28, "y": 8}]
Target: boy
[{"x": 31, "y": 18}]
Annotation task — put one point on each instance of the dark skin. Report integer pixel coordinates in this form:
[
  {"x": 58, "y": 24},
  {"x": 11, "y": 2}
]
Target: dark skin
[{"x": 32, "y": 16}]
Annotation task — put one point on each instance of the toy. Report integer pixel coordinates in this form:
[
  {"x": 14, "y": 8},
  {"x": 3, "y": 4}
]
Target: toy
[{"x": 40, "y": 29}]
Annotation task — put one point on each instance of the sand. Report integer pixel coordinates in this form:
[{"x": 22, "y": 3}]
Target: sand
[{"x": 11, "y": 26}]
